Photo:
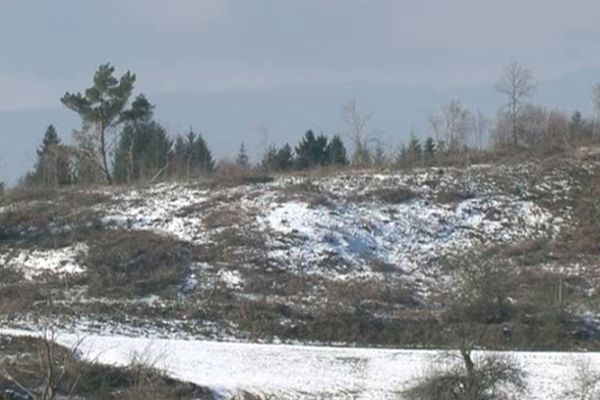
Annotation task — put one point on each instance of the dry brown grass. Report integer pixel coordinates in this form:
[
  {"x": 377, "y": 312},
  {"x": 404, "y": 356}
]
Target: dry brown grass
[
  {"x": 17, "y": 298},
  {"x": 46, "y": 218},
  {"x": 24, "y": 368},
  {"x": 136, "y": 263}
]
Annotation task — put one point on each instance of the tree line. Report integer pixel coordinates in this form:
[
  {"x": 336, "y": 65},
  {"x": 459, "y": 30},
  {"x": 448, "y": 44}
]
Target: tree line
[{"x": 121, "y": 141}]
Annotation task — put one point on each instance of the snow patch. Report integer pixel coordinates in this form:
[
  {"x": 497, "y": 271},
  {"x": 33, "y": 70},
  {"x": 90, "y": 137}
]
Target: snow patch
[{"x": 33, "y": 263}]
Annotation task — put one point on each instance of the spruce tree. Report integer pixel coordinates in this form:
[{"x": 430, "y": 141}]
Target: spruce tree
[
  {"x": 429, "y": 151},
  {"x": 190, "y": 160},
  {"x": 50, "y": 140},
  {"x": 178, "y": 158},
  {"x": 202, "y": 156},
  {"x": 415, "y": 150},
  {"x": 101, "y": 105},
  {"x": 144, "y": 146},
  {"x": 242, "y": 158},
  {"x": 336, "y": 152},
  {"x": 285, "y": 158},
  {"x": 311, "y": 151},
  {"x": 278, "y": 160},
  {"x": 191, "y": 155},
  {"x": 53, "y": 165},
  {"x": 402, "y": 158},
  {"x": 269, "y": 160}
]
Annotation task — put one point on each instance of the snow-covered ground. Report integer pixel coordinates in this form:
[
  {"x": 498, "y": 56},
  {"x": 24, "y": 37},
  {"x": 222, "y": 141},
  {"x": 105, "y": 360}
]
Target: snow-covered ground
[
  {"x": 33, "y": 263},
  {"x": 338, "y": 227},
  {"x": 304, "y": 372}
]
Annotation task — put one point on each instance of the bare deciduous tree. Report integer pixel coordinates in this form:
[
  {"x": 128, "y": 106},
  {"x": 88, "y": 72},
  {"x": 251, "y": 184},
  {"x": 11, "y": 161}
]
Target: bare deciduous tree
[
  {"x": 586, "y": 383},
  {"x": 492, "y": 377},
  {"x": 481, "y": 129},
  {"x": 533, "y": 122},
  {"x": 517, "y": 83},
  {"x": 453, "y": 126},
  {"x": 357, "y": 123},
  {"x": 58, "y": 368}
]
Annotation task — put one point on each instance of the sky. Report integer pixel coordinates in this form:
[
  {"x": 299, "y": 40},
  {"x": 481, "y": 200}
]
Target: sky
[{"x": 265, "y": 71}]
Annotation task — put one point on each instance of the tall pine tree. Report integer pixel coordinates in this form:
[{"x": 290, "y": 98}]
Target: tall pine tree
[
  {"x": 336, "y": 152},
  {"x": 203, "y": 159},
  {"x": 278, "y": 160},
  {"x": 311, "y": 151},
  {"x": 242, "y": 158},
  {"x": 144, "y": 146},
  {"x": 415, "y": 151},
  {"x": 429, "y": 150},
  {"x": 100, "y": 108},
  {"x": 53, "y": 165},
  {"x": 192, "y": 155}
]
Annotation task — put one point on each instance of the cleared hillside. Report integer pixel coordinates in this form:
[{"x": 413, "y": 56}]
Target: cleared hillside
[{"x": 357, "y": 257}]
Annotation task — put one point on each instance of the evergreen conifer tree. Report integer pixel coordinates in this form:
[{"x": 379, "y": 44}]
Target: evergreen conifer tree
[
  {"x": 101, "y": 106},
  {"x": 311, "y": 151},
  {"x": 144, "y": 146},
  {"x": 202, "y": 157},
  {"x": 336, "y": 152},
  {"x": 242, "y": 158},
  {"x": 53, "y": 165},
  {"x": 429, "y": 150},
  {"x": 285, "y": 158},
  {"x": 415, "y": 151}
]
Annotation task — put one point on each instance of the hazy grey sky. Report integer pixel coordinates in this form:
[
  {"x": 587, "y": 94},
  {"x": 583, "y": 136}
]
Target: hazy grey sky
[{"x": 228, "y": 56}]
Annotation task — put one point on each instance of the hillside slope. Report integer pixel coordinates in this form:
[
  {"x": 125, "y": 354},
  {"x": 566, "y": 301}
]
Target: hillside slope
[{"x": 348, "y": 257}]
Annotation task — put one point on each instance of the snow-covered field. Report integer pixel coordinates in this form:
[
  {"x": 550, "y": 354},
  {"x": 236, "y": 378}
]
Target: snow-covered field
[{"x": 304, "y": 372}]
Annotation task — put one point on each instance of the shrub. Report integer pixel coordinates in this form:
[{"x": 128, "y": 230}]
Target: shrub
[
  {"x": 491, "y": 378},
  {"x": 136, "y": 263},
  {"x": 481, "y": 286},
  {"x": 585, "y": 384}
]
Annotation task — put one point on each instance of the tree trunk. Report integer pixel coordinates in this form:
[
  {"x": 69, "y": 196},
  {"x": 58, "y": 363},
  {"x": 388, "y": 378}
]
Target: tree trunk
[
  {"x": 103, "y": 151},
  {"x": 469, "y": 364}
]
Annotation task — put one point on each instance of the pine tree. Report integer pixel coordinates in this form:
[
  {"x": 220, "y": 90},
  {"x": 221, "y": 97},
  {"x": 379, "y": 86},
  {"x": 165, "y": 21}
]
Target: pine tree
[
  {"x": 415, "y": 152},
  {"x": 177, "y": 161},
  {"x": 53, "y": 165},
  {"x": 142, "y": 152},
  {"x": 336, "y": 152},
  {"x": 285, "y": 158},
  {"x": 101, "y": 106},
  {"x": 311, "y": 151},
  {"x": 269, "y": 160},
  {"x": 144, "y": 146},
  {"x": 50, "y": 140},
  {"x": 202, "y": 156},
  {"x": 402, "y": 157},
  {"x": 242, "y": 158},
  {"x": 278, "y": 160},
  {"x": 190, "y": 161},
  {"x": 430, "y": 150},
  {"x": 191, "y": 155}
]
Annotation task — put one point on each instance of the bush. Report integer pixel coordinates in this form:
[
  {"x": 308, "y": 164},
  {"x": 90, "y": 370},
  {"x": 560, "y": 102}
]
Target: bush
[
  {"x": 481, "y": 286},
  {"x": 136, "y": 263},
  {"x": 38, "y": 368},
  {"x": 585, "y": 384},
  {"x": 492, "y": 378}
]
